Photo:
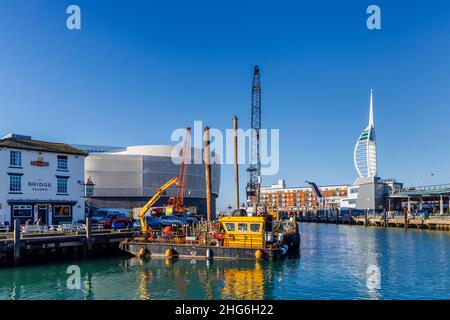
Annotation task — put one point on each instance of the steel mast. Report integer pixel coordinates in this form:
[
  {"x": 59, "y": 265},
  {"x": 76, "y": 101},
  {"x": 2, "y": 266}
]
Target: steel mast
[{"x": 254, "y": 184}]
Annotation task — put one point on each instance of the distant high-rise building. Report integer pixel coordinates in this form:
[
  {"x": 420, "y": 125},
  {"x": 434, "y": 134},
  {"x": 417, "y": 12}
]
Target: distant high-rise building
[{"x": 365, "y": 153}]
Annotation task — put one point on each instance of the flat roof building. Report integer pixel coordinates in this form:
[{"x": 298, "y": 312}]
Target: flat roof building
[{"x": 302, "y": 199}]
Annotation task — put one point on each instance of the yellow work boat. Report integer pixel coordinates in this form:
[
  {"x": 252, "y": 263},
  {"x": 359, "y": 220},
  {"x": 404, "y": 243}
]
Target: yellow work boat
[{"x": 237, "y": 236}]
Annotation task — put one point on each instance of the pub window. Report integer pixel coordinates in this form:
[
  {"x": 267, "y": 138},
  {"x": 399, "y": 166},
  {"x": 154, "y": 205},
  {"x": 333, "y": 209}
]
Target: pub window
[
  {"x": 62, "y": 185},
  {"x": 242, "y": 227},
  {"x": 62, "y": 163},
  {"x": 230, "y": 226},
  {"x": 22, "y": 212},
  {"x": 61, "y": 211},
  {"x": 15, "y": 183},
  {"x": 15, "y": 158}
]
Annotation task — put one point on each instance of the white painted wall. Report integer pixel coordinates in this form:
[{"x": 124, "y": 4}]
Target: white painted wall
[
  {"x": 46, "y": 175},
  {"x": 350, "y": 200}
]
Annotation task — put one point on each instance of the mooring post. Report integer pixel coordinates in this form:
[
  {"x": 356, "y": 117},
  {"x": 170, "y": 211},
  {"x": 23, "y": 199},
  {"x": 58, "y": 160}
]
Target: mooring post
[
  {"x": 16, "y": 241},
  {"x": 236, "y": 166},
  {"x": 207, "y": 159},
  {"x": 366, "y": 218},
  {"x": 385, "y": 218},
  {"x": 337, "y": 216},
  {"x": 350, "y": 217},
  {"x": 406, "y": 219},
  {"x": 89, "y": 233}
]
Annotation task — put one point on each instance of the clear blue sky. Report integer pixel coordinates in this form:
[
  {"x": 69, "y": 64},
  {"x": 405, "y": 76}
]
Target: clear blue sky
[{"x": 139, "y": 69}]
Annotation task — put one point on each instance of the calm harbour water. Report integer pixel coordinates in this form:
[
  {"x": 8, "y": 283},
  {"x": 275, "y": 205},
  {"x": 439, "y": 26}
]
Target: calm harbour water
[{"x": 414, "y": 264}]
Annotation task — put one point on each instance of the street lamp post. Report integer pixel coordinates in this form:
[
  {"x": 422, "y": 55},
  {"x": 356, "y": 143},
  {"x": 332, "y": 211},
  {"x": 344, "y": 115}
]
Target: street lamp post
[{"x": 88, "y": 193}]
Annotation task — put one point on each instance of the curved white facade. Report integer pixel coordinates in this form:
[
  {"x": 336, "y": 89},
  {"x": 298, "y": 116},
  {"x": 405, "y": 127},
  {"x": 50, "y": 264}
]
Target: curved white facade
[
  {"x": 365, "y": 152},
  {"x": 128, "y": 177}
]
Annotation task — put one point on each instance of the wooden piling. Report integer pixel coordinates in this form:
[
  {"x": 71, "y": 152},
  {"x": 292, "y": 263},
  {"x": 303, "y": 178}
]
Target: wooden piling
[
  {"x": 89, "y": 238},
  {"x": 406, "y": 219},
  {"x": 207, "y": 155},
  {"x": 16, "y": 241},
  {"x": 236, "y": 166}
]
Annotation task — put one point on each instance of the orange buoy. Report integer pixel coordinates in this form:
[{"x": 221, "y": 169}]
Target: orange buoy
[{"x": 168, "y": 229}]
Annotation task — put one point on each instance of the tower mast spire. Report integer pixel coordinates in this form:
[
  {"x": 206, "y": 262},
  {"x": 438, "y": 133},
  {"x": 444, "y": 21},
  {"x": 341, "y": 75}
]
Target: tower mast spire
[
  {"x": 371, "y": 123},
  {"x": 365, "y": 152}
]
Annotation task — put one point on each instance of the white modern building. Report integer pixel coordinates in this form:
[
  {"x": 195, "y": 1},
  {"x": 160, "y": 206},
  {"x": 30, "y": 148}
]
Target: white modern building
[
  {"x": 40, "y": 181},
  {"x": 350, "y": 200},
  {"x": 368, "y": 192},
  {"x": 128, "y": 177}
]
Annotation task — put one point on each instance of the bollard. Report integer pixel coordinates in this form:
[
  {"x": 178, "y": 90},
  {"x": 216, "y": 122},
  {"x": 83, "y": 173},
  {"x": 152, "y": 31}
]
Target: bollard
[
  {"x": 89, "y": 233},
  {"x": 16, "y": 241},
  {"x": 406, "y": 219}
]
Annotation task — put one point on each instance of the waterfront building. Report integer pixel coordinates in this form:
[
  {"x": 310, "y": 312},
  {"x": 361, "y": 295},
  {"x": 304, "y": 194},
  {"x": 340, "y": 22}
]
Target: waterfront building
[
  {"x": 40, "y": 181},
  {"x": 368, "y": 192},
  {"x": 302, "y": 199},
  {"x": 126, "y": 177}
]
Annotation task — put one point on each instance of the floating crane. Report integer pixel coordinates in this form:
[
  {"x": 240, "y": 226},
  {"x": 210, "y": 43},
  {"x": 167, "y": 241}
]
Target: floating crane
[
  {"x": 160, "y": 191},
  {"x": 254, "y": 184},
  {"x": 177, "y": 202}
]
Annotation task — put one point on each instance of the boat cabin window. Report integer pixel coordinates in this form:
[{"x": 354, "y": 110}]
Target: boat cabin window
[
  {"x": 255, "y": 227},
  {"x": 242, "y": 227},
  {"x": 230, "y": 226}
]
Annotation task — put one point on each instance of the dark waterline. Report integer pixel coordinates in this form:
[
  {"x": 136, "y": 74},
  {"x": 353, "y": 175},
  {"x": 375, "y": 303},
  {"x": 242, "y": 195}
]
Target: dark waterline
[{"x": 414, "y": 264}]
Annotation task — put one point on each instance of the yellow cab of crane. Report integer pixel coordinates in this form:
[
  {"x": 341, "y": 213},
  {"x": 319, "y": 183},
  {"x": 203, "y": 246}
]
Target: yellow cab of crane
[{"x": 244, "y": 231}]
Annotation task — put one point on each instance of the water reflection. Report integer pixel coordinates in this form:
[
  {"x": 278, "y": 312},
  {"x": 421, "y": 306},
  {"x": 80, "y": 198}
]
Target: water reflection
[
  {"x": 333, "y": 265},
  {"x": 183, "y": 279},
  {"x": 244, "y": 283}
]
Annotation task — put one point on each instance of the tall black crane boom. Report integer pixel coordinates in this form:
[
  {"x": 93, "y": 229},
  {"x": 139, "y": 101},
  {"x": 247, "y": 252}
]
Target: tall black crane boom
[{"x": 254, "y": 184}]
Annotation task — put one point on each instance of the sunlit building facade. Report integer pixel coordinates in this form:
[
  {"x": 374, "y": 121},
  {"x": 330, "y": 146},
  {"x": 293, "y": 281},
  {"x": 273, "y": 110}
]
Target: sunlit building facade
[{"x": 301, "y": 199}]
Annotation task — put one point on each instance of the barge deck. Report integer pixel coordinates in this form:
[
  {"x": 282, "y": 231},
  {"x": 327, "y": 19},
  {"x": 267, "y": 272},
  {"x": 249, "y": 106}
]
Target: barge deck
[{"x": 190, "y": 251}]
